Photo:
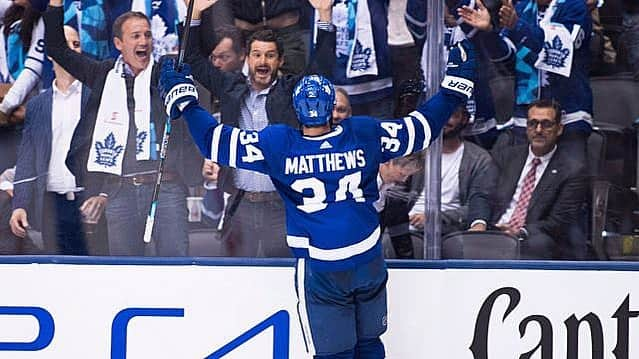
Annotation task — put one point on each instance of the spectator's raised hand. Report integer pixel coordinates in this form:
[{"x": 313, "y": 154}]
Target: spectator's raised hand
[
  {"x": 507, "y": 15},
  {"x": 478, "y": 18},
  {"x": 324, "y": 8},
  {"x": 199, "y": 6}
]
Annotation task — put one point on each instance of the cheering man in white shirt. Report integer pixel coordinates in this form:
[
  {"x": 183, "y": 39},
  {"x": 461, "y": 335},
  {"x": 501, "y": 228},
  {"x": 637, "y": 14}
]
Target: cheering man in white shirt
[{"x": 43, "y": 182}]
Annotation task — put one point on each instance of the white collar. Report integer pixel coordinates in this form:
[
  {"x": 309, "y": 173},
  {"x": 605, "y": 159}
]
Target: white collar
[
  {"x": 260, "y": 92},
  {"x": 126, "y": 68},
  {"x": 544, "y": 159},
  {"x": 73, "y": 88}
]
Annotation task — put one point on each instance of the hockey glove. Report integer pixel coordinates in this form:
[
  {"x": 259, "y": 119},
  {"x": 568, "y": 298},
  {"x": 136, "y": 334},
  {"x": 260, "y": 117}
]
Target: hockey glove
[
  {"x": 176, "y": 88},
  {"x": 460, "y": 70}
]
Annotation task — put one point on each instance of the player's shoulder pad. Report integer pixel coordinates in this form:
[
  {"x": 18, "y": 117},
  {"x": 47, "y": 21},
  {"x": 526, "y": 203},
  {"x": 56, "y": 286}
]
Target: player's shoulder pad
[
  {"x": 277, "y": 133},
  {"x": 361, "y": 121},
  {"x": 365, "y": 126}
]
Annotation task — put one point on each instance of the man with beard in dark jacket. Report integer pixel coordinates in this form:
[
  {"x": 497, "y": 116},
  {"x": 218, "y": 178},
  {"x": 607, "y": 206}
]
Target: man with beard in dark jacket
[{"x": 253, "y": 103}]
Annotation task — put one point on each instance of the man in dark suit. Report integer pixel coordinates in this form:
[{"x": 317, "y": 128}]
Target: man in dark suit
[
  {"x": 43, "y": 183},
  {"x": 115, "y": 150},
  {"x": 540, "y": 189}
]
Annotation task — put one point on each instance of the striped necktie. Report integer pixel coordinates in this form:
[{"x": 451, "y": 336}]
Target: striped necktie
[{"x": 518, "y": 218}]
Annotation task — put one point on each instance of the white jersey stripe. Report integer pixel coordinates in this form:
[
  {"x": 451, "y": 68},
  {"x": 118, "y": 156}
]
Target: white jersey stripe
[
  {"x": 215, "y": 143},
  {"x": 301, "y": 306},
  {"x": 420, "y": 117},
  {"x": 235, "y": 133},
  {"x": 297, "y": 242},
  {"x": 337, "y": 253},
  {"x": 410, "y": 128}
]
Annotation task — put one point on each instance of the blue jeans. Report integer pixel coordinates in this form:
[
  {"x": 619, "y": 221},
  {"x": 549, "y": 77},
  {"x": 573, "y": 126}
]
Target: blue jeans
[
  {"x": 256, "y": 229},
  {"x": 126, "y": 213}
]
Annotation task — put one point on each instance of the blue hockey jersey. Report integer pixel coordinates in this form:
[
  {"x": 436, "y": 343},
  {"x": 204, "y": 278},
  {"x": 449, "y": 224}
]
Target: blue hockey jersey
[
  {"x": 328, "y": 183},
  {"x": 549, "y": 64}
]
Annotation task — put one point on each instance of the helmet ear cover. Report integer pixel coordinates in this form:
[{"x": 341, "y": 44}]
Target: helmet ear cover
[{"x": 313, "y": 100}]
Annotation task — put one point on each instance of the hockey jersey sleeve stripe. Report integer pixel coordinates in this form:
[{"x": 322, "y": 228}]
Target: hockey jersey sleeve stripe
[
  {"x": 34, "y": 59},
  {"x": 335, "y": 254},
  {"x": 410, "y": 129},
  {"x": 215, "y": 143},
  {"x": 235, "y": 133},
  {"x": 32, "y": 70},
  {"x": 426, "y": 127},
  {"x": 511, "y": 49}
]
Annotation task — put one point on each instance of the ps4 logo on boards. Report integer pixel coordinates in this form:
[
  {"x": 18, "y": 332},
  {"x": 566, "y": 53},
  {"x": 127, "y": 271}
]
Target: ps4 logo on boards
[{"x": 280, "y": 321}]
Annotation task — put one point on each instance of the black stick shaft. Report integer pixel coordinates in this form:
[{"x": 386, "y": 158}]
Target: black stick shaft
[
  {"x": 150, "y": 219},
  {"x": 185, "y": 35}
]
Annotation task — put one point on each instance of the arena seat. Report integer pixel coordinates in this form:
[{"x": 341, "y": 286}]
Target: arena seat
[
  {"x": 480, "y": 245},
  {"x": 614, "y": 200},
  {"x": 621, "y": 247},
  {"x": 204, "y": 242},
  {"x": 615, "y": 99}
]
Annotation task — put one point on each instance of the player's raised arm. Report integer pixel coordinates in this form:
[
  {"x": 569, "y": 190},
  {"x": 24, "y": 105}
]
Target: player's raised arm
[
  {"x": 416, "y": 131},
  {"x": 226, "y": 145}
]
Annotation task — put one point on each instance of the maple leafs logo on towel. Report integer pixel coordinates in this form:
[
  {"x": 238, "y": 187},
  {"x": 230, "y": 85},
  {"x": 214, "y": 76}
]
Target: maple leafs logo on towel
[
  {"x": 108, "y": 151},
  {"x": 361, "y": 57},
  {"x": 555, "y": 54},
  {"x": 164, "y": 42},
  {"x": 139, "y": 142}
]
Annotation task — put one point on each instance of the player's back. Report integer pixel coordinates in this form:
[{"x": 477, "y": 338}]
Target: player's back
[{"x": 329, "y": 184}]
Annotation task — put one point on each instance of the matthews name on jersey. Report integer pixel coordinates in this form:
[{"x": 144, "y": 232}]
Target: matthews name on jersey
[
  {"x": 327, "y": 182},
  {"x": 327, "y": 176}
]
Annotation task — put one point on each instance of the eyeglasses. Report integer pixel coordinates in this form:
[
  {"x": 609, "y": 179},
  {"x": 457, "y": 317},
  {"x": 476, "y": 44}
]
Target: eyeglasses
[{"x": 545, "y": 124}]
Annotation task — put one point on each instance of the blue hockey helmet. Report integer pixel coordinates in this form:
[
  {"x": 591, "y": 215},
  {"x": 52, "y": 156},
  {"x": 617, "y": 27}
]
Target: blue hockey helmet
[{"x": 313, "y": 99}]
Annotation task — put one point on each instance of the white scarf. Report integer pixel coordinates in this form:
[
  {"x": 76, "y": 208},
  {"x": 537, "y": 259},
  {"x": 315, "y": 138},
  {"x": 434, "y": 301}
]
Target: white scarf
[
  {"x": 112, "y": 123},
  {"x": 558, "y": 50},
  {"x": 5, "y": 76},
  {"x": 362, "y": 60},
  {"x": 354, "y": 37}
]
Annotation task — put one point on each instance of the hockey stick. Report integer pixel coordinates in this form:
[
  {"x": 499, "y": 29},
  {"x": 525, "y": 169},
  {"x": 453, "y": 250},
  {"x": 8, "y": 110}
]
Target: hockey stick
[{"x": 150, "y": 219}]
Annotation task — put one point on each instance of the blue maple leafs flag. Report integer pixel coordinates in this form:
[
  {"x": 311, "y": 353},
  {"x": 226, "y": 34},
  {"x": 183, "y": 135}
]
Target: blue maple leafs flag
[
  {"x": 108, "y": 151},
  {"x": 555, "y": 54}
]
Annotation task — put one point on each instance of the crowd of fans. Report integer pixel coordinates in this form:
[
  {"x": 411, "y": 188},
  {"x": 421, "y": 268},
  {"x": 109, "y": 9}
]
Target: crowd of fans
[{"x": 81, "y": 120}]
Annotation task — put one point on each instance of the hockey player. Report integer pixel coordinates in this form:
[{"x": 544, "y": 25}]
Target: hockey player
[{"x": 326, "y": 176}]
